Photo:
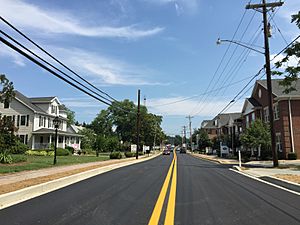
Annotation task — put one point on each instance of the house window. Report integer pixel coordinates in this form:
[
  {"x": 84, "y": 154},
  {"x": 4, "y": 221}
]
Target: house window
[
  {"x": 40, "y": 121},
  {"x": 23, "y": 120},
  {"x": 44, "y": 121},
  {"x": 278, "y": 142},
  {"x": 49, "y": 122},
  {"x": 52, "y": 109},
  {"x": 6, "y": 104},
  {"x": 22, "y": 138},
  {"x": 266, "y": 114},
  {"x": 276, "y": 111}
]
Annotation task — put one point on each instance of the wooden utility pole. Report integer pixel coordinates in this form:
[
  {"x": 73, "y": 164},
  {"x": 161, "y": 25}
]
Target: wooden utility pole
[
  {"x": 265, "y": 8},
  {"x": 190, "y": 126},
  {"x": 184, "y": 135},
  {"x": 138, "y": 126}
]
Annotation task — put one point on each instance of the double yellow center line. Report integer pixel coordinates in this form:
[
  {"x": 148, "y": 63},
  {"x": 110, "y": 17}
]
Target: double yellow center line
[{"x": 170, "y": 213}]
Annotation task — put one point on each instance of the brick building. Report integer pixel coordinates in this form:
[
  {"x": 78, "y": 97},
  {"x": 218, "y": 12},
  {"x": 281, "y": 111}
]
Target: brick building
[{"x": 286, "y": 114}]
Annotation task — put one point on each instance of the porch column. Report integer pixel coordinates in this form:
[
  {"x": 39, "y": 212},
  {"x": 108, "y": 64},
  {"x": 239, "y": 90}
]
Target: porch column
[
  {"x": 64, "y": 141},
  {"x": 32, "y": 141},
  {"x": 50, "y": 140},
  {"x": 79, "y": 138}
]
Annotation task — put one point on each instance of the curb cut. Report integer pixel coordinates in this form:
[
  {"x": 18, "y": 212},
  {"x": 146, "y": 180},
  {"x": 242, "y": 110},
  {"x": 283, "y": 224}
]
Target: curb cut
[
  {"x": 211, "y": 160},
  {"x": 12, "y": 198}
]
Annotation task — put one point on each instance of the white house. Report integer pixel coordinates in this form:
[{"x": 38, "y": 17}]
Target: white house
[{"x": 34, "y": 119}]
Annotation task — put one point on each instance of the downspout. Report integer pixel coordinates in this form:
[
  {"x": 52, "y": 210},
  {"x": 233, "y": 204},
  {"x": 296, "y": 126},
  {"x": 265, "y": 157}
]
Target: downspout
[{"x": 291, "y": 127}]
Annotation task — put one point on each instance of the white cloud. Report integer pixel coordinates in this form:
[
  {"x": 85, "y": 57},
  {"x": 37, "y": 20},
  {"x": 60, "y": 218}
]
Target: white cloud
[
  {"x": 103, "y": 70},
  {"x": 211, "y": 106},
  {"x": 32, "y": 17},
  {"x": 16, "y": 57},
  {"x": 294, "y": 61}
]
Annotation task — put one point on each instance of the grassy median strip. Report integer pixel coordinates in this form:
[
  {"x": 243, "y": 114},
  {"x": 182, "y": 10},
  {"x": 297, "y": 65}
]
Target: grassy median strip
[{"x": 39, "y": 162}]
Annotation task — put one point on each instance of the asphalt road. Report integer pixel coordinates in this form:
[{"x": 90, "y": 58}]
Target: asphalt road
[{"x": 206, "y": 193}]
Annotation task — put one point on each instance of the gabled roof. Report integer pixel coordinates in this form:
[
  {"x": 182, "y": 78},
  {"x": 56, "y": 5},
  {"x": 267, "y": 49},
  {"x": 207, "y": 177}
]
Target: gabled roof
[
  {"x": 224, "y": 118},
  {"x": 252, "y": 101},
  {"x": 277, "y": 89},
  {"x": 22, "y": 98},
  {"x": 210, "y": 124},
  {"x": 42, "y": 99}
]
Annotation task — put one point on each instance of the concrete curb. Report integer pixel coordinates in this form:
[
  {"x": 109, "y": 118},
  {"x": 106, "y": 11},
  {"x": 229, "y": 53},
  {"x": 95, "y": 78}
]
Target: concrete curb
[
  {"x": 12, "y": 198},
  {"x": 212, "y": 160}
]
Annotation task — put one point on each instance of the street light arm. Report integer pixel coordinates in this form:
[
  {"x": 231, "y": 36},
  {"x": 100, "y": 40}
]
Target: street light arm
[{"x": 219, "y": 41}]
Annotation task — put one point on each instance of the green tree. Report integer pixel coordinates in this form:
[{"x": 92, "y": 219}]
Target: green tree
[
  {"x": 99, "y": 144},
  {"x": 112, "y": 143},
  {"x": 7, "y": 89},
  {"x": 88, "y": 139},
  {"x": 102, "y": 124},
  {"x": 178, "y": 140},
  {"x": 257, "y": 135},
  {"x": 290, "y": 72},
  {"x": 203, "y": 138}
]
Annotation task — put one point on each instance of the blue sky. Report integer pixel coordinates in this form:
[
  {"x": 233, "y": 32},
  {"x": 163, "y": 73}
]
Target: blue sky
[{"x": 166, "y": 48}]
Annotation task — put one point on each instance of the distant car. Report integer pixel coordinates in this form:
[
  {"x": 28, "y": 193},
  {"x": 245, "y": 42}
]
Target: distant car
[
  {"x": 166, "y": 152},
  {"x": 183, "y": 150},
  {"x": 178, "y": 149}
]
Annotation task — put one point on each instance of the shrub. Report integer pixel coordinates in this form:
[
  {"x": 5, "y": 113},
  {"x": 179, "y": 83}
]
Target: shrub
[
  {"x": 18, "y": 158},
  {"x": 62, "y": 152},
  {"x": 129, "y": 154},
  {"x": 19, "y": 148},
  {"x": 36, "y": 152},
  {"x": 90, "y": 151},
  {"x": 70, "y": 149},
  {"x": 115, "y": 155},
  {"x": 292, "y": 156},
  {"x": 5, "y": 157}
]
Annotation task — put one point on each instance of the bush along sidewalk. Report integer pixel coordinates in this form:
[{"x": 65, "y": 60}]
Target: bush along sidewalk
[{"x": 115, "y": 155}]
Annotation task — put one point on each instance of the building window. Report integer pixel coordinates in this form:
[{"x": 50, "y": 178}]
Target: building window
[
  {"x": 6, "y": 104},
  {"x": 52, "y": 109},
  {"x": 276, "y": 111},
  {"x": 22, "y": 138},
  {"x": 266, "y": 114},
  {"x": 49, "y": 122},
  {"x": 40, "y": 121},
  {"x": 278, "y": 142},
  {"x": 23, "y": 120},
  {"x": 44, "y": 121}
]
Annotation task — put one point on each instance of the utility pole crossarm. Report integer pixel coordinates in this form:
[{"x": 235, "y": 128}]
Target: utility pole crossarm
[{"x": 258, "y": 6}]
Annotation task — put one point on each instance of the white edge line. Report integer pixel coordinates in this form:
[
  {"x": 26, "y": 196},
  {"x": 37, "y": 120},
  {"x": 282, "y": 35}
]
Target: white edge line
[
  {"x": 286, "y": 181},
  {"x": 263, "y": 181}
]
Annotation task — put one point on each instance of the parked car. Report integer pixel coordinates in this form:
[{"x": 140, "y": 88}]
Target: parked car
[{"x": 166, "y": 152}]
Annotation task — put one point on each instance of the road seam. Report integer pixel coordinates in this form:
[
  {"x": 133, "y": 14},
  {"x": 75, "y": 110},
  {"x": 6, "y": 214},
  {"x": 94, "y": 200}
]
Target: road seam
[{"x": 263, "y": 181}]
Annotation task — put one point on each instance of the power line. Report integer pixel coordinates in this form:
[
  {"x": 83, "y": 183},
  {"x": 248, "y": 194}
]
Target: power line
[
  {"x": 222, "y": 59},
  {"x": 49, "y": 64},
  {"x": 55, "y": 59},
  {"x": 229, "y": 60},
  {"x": 49, "y": 70},
  {"x": 204, "y": 93}
]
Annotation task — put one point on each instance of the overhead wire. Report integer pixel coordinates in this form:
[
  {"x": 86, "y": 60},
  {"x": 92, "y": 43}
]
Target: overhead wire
[
  {"x": 54, "y": 58},
  {"x": 228, "y": 61},
  {"x": 221, "y": 61}
]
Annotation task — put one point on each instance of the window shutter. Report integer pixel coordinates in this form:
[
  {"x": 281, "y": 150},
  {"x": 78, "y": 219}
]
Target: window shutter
[
  {"x": 27, "y": 122},
  {"x": 18, "y": 120},
  {"x": 26, "y": 139}
]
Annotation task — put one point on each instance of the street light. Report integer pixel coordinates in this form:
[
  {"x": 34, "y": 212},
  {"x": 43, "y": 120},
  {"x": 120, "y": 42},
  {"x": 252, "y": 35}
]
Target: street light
[
  {"x": 219, "y": 41},
  {"x": 56, "y": 123}
]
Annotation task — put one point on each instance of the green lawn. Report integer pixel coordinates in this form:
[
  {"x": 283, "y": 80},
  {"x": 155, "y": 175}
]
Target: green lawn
[{"x": 38, "y": 162}]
